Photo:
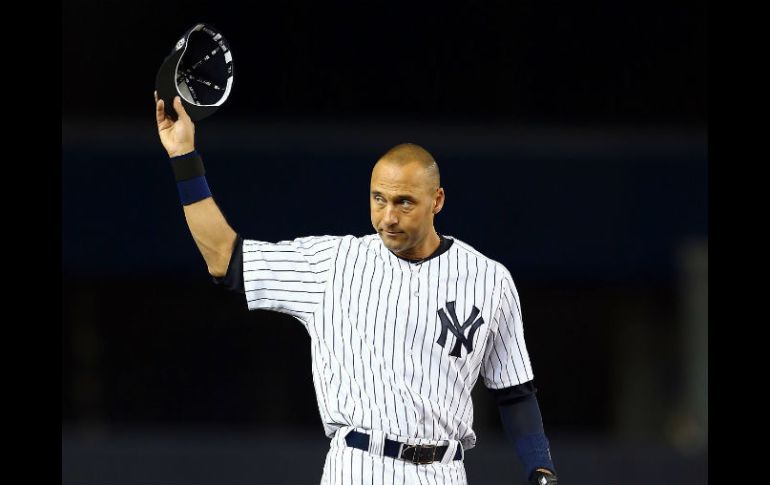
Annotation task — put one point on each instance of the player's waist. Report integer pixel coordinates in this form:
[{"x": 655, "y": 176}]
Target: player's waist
[
  {"x": 408, "y": 440},
  {"x": 410, "y": 449}
]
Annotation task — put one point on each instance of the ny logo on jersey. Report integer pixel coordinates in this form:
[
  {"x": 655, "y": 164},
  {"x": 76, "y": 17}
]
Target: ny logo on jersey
[{"x": 458, "y": 330}]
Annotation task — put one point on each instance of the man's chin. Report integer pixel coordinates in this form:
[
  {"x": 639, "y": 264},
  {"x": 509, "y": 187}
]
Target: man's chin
[{"x": 390, "y": 242}]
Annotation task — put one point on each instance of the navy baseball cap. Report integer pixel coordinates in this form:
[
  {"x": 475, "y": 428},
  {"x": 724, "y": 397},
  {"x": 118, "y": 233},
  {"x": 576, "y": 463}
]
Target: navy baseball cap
[{"x": 199, "y": 70}]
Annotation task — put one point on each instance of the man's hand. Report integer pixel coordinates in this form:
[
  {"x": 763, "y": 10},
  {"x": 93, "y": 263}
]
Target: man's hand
[
  {"x": 178, "y": 138},
  {"x": 541, "y": 476}
]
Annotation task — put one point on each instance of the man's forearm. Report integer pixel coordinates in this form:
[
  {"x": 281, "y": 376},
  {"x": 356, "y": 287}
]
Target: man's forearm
[
  {"x": 523, "y": 425},
  {"x": 212, "y": 234}
]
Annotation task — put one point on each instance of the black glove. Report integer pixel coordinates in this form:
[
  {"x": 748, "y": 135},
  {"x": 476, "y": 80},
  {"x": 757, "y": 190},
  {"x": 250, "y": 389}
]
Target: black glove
[{"x": 541, "y": 478}]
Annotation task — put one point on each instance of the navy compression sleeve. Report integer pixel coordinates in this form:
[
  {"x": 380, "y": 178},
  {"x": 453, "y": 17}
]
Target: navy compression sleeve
[{"x": 523, "y": 424}]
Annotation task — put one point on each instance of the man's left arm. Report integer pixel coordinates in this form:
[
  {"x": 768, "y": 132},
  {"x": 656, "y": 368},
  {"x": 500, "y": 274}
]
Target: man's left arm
[
  {"x": 507, "y": 373},
  {"x": 523, "y": 425}
]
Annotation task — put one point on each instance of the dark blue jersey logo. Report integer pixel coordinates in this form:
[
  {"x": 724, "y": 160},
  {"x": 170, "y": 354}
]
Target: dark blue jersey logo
[{"x": 458, "y": 330}]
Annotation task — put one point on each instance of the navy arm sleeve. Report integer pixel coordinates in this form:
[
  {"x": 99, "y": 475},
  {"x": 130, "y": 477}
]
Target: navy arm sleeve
[
  {"x": 233, "y": 279},
  {"x": 523, "y": 424}
]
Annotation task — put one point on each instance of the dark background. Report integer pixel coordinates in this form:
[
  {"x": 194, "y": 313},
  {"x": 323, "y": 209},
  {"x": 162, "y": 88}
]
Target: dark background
[{"x": 572, "y": 141}]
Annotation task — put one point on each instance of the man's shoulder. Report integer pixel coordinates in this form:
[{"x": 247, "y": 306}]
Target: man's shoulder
[
  {"x": 365, "y": 240},
  {"x": 301, "y": 244},
  {"x": 352, "y": 241},
  {"x": 474, "y": 253},
  {"x": 346, "y": 240},
  {"x": 471, "y": 251}
]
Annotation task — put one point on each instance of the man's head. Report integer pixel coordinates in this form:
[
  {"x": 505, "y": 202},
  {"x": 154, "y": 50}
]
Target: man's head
[{"x": 405, "y": 195}]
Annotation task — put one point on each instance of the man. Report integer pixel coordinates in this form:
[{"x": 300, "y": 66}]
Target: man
[{"x": 402, "y": 322}]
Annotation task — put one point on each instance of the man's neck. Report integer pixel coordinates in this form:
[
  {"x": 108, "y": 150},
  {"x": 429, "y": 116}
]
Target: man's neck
[{"x": 428, "y": 247}]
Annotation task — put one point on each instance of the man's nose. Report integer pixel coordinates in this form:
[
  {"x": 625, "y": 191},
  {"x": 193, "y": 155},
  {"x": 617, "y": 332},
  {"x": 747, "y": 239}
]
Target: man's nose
[{"x": 390, "y": 216}]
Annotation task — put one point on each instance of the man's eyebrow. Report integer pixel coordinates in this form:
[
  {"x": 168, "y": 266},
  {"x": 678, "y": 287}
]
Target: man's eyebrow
[{"x": 397, "y": 197}]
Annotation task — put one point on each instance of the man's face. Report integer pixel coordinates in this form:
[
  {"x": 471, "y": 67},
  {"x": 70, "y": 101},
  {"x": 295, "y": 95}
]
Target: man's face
[{"x": 403, "y": 201}]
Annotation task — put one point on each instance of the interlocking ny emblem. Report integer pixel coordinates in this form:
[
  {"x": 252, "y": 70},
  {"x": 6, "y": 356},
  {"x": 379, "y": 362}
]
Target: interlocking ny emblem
[{"x": 457, "y": 329}]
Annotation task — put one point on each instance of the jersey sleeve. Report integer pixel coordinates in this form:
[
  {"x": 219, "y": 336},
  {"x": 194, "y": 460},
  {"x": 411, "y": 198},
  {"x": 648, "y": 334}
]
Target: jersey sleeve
[
  {"x": 506, "y": 360},
  {"x": 288, "y": 276}
]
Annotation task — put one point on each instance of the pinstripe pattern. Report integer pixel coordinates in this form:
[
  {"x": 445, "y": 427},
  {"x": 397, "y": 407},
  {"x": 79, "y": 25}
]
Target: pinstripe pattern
[{"x": 377, "y": 358}]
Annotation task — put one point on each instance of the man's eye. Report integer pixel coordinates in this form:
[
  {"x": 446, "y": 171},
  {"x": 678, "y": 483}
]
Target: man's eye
[{"x": 406, "y": 203}]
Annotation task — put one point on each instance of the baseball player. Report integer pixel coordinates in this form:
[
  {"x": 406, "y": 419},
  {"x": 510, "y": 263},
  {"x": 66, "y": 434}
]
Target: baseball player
[{"x": 402, "y": 322}]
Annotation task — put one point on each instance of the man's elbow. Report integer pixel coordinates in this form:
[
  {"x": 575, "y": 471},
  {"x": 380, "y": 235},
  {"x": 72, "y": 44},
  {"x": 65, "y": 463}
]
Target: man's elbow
[
  {"x": 217, "y": 271},
  {"x": 218, "y": 263}
]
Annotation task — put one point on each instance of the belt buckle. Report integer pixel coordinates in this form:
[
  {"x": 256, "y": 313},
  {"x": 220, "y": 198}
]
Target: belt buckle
[{"x": 416, "y": 458}]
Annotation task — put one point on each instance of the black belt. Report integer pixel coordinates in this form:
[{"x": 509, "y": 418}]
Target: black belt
[{"x": 417, "y": 454}]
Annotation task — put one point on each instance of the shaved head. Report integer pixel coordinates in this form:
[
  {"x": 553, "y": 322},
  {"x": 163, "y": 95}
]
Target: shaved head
[
  {"x": 407, "y": 153},
  {"x": 405, "y": 196}
]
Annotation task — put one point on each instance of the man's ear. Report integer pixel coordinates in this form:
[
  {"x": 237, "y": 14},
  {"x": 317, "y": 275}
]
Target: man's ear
[{"x": 438, "y": 202}]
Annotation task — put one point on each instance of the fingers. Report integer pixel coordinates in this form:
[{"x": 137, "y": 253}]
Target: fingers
[
  {"x": 179, "y": 107},
  {"x": 160, "y": 113}
]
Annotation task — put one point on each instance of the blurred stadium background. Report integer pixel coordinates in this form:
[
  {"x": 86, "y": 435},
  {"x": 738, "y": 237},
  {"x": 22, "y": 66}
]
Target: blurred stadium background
[{"x": 572, "y": 141}]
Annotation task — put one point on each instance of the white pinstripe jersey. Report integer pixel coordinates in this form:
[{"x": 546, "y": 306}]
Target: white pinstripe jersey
[{"x": 396, "y": 346}]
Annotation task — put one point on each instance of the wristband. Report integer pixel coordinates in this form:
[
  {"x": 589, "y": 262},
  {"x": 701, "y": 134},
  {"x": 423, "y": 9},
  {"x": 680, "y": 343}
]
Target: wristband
[
  {"x": 190, "y": 176},
  {"x": 187, "y": 166}
]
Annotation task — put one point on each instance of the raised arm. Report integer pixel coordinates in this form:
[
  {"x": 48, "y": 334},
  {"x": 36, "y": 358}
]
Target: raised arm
[{"x": 209, "y": 228}]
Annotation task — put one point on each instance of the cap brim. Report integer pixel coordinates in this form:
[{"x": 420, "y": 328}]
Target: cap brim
[{"x": 165, "y": 83}]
